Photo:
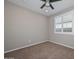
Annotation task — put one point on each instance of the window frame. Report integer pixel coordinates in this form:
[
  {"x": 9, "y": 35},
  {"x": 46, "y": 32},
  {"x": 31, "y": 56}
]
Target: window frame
[{"x": 70, "y": 33}]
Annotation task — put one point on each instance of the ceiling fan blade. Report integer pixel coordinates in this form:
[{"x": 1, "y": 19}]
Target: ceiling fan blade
[
  {"x": 51, "y": 6},
  {"x": 42, "y": 5},
  {"x": 43, "y": 0},
  {"x": 54, "y": 0}
]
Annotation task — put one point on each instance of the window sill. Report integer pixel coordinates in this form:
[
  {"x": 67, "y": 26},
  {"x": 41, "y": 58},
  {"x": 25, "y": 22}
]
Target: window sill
[{"x": 65, "y": 33}]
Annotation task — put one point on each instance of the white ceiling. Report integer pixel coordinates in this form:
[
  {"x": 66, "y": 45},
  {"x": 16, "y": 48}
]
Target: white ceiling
[{"x": 35, "y": 5}]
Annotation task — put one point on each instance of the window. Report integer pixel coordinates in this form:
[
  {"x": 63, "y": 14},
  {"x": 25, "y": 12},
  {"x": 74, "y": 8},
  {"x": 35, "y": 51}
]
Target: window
[{"x": 64, "y": 23}]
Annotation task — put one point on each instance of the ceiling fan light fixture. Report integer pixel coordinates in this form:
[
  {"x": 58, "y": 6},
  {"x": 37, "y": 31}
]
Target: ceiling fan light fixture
[{"x": 46, "y": 10}]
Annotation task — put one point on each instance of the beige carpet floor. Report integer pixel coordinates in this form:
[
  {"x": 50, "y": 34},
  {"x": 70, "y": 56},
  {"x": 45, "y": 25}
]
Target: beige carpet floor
[{"x": 45, "y": 50}]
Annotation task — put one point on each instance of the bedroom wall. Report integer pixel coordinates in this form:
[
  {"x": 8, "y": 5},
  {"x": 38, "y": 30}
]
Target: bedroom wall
[
  {"x": 23, "y": 27},
  {"x": 62, "y": 39}
]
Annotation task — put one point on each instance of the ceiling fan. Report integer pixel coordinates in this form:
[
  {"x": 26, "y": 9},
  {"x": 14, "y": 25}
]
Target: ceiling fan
[{"x": 48, "y": 3}]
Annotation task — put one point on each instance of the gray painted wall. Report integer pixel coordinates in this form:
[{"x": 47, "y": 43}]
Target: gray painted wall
[
  {"x": 23, "y": 27},
  {"x": 63, "y": 39}
]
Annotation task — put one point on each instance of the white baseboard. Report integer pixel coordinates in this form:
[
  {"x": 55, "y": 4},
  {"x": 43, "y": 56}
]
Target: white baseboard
[
  {"x": 24, "y": 46},
  {"x": 62, "y": 44},
  {"x": 36, "y": 44}
]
